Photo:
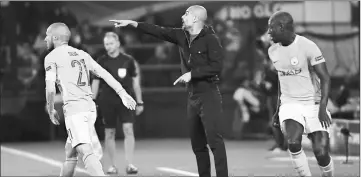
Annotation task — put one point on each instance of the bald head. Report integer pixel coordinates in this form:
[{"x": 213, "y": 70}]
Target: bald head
[
  {"x": 199, "y": 11},
  {"x": 59, "y": 30},
  {"x": 281, "y": 29},
  {"x": 282, "y": 18}
]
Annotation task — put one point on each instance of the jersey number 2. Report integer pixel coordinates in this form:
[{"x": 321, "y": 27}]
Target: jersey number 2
[{"x": 80, "y": 64}]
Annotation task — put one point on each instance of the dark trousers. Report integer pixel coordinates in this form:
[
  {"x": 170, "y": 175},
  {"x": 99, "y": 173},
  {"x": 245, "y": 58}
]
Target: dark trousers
[{"x": 205, "y": 116}]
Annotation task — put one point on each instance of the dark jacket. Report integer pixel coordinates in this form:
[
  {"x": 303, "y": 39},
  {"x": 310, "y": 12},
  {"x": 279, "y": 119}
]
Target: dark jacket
[{"x": 202, "y": 57}]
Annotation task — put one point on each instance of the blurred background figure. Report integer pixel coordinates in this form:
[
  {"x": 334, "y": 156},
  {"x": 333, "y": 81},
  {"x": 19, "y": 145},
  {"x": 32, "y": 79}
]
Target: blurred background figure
[
  {"x": 343, "y": 104},
  {"x": 39, "y": 46},
  {"x": 270, "y": 81},
  {"x": 161, "y": 57},
  {"x": 28, "y": 64}
]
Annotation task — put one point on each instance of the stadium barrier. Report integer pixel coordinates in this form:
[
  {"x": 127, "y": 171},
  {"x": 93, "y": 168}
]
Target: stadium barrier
[{"x": 164, "y": 116}]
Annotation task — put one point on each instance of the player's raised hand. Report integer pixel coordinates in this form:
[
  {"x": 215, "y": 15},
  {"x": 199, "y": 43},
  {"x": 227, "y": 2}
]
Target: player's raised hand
[
  {"x": 122, "y": 23},
  {"x": 128, "y": 101}
]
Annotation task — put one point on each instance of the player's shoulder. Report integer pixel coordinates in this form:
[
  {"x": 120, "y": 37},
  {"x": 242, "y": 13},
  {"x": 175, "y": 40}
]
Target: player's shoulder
[
  {"x": 78, "y": 51},
  {"x": 273, "y": 47},
  {"x": 102, "y": 58},
  {"x": 305, "y": 42},
  {"x": 73, "y": 52},
  {"x": 127, "y": 56},
  {"x": 54, "y": 55}
]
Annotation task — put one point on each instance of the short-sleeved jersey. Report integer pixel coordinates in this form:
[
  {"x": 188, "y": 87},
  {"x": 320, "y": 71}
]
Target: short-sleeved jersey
[
  {"x": 122, "y": 68},
  {"x": 294, "y": 64},
  {"x": 71, "y": 67}
]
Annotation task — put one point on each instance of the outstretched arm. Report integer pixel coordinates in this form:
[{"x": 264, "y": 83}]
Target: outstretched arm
[
  {"x": 95, "y": 88},
  {"x": 106, "y": 76},
  {"x": 96, "y": 69},
  {"x": 163, "y": 33}
]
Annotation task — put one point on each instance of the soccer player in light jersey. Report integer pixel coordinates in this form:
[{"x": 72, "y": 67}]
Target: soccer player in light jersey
[
  {"x": 69, "y": 68},
  {"x": 304, "y": 85}
]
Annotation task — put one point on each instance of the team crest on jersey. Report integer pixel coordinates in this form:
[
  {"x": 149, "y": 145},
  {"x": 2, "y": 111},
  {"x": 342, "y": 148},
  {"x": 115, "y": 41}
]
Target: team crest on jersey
[
  {"x": 294, "y": 61},
  {"x": 122, "y": 72}
]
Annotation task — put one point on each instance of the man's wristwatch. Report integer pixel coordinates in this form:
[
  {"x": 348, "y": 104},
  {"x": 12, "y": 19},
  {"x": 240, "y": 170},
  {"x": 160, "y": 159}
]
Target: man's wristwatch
[{"x": 140, "y": 104}]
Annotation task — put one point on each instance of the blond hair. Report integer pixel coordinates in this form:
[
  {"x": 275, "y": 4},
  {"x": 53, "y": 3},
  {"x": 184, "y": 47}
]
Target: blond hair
[{"x": 111, "y": 35}]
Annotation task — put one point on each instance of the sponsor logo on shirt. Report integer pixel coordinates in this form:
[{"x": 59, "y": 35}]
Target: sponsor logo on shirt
[{"x": 290, "y": 72}]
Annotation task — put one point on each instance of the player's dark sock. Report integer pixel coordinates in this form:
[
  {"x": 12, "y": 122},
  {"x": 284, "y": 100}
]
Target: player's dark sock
[
  {"x": 327, "y": 171},
  {"x": 300, "y": 163},
  {"x": 93, "y": 165}
]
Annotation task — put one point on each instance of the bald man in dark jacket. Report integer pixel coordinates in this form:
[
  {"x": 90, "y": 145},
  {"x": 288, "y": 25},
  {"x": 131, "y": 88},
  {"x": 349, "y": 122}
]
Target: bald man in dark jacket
[{"x": 201, "y": 64}]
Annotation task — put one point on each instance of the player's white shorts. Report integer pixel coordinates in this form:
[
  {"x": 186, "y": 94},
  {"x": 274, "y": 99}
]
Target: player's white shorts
[
  {"x": 80, "y": 128},
  {"x": 307, "y": 115}
]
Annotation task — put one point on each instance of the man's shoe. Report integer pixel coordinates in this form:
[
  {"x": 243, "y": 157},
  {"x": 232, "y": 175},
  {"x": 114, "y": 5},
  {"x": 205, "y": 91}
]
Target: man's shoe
[
  {"x": 131, "y": 169},
  {"x": 112, "y": 170}
]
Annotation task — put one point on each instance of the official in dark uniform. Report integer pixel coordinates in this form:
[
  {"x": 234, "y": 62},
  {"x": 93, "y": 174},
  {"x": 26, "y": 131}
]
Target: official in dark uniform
[
  {"x": 201, "y": 63},
  {"x": 124, "y": 69}
]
